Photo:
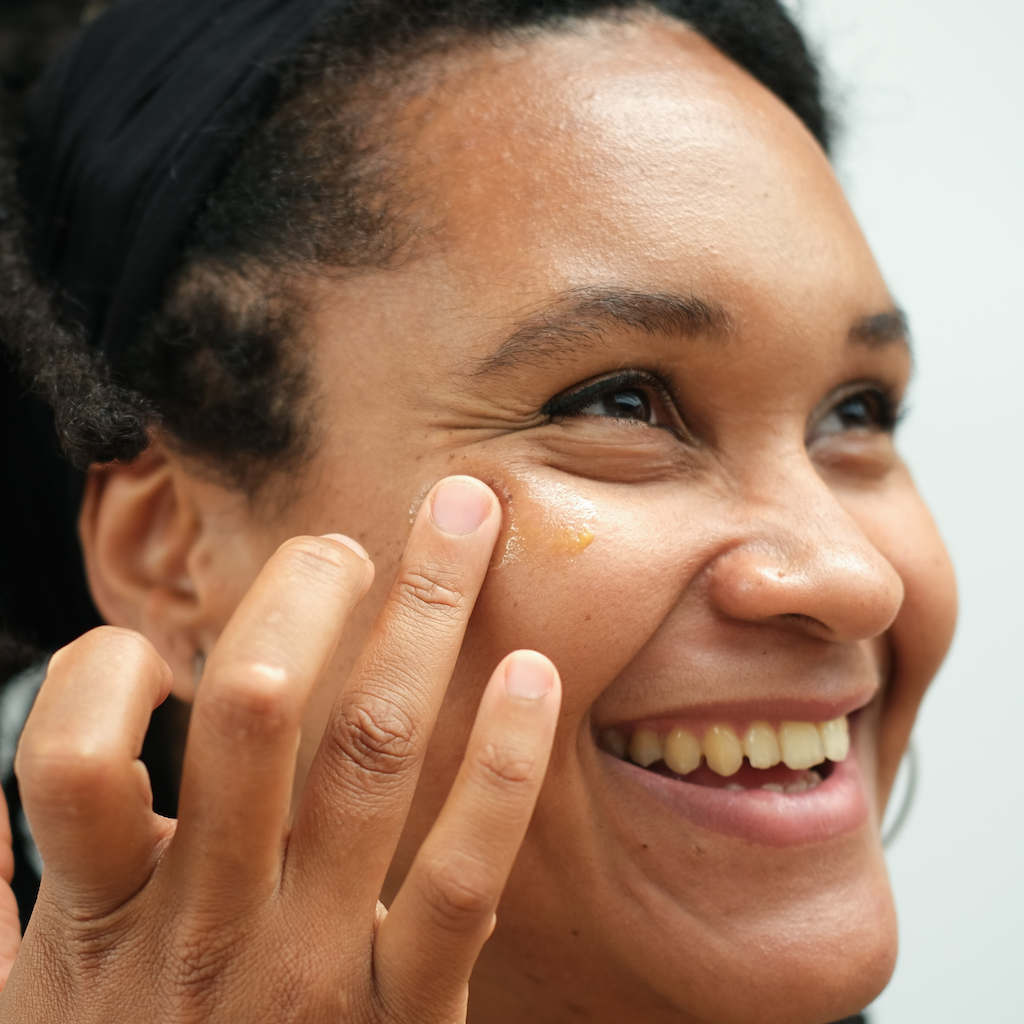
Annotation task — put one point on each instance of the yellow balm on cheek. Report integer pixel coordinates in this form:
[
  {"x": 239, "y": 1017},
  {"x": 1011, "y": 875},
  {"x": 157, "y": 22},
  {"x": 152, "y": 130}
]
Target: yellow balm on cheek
[
  {"x": 575, "y": 542},
  {"x": 547, "y": 519}
]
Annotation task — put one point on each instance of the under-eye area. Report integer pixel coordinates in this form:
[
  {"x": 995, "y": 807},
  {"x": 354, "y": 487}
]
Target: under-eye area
[{"x": 788, "y": 757}]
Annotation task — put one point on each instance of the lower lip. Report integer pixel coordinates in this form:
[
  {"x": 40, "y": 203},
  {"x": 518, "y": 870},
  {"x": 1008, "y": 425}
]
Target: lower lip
[{"x": 836, "y": 806}]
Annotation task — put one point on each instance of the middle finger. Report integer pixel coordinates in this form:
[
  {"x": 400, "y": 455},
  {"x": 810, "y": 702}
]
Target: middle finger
[{"x": 244, "y": 730}]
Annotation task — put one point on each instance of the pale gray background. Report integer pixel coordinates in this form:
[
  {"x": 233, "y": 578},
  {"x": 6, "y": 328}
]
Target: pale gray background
[{"x": 932, "y": 93}]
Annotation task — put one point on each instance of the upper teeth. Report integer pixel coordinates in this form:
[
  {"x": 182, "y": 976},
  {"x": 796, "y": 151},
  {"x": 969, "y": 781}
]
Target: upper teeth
[{"x": 798, "y": 745}]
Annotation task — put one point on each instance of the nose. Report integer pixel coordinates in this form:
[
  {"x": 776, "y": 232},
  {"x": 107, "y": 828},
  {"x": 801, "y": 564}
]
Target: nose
[{"x": 798, "y": 557}]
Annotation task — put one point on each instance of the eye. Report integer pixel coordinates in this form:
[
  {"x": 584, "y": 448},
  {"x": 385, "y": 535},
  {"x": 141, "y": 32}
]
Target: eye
[
  {"x": 635, "y": 396},
  {"x": 625, "y": 404},
  {"x": 870, "y": 410}
]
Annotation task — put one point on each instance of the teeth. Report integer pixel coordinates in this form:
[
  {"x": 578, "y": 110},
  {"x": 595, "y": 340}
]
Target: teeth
[
  {"x": 722, "y": 750},
  {"x": 761, "y": 746},
  {"x": 811, "y": 780},
  {"x": 835, "y": 738},
  {"x": 801, "y": 745},
  {"x": 615, "y": 743},
  {"x": 645, "y": 747},
  {"x": 682, "y": 751}
]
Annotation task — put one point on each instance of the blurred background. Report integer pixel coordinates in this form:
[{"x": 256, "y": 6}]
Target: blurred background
[{"x": 932, "y": 157}]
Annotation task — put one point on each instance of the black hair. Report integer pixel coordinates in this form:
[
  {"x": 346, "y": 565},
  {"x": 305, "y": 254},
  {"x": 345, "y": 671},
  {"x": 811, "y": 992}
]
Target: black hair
[
  {"x": 53, "y": 395},
  {"x": 213, "y": 367},
  {"x": 31, "y": 33},
  {"x": 44, "y": 597}
]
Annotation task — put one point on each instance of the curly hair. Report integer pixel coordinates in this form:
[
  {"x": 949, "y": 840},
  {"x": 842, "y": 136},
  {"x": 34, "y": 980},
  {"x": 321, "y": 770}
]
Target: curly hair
[{"x": 215, "y": 367}]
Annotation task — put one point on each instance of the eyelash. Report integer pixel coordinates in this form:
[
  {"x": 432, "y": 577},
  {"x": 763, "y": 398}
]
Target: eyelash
[
  {"x": 890, "y": 412},
  {"x": 572, "y": 403}
]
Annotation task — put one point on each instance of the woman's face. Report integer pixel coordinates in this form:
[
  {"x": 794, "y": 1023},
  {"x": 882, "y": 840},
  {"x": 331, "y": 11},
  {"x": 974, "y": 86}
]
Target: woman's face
[{"x": 641, "y": 310}]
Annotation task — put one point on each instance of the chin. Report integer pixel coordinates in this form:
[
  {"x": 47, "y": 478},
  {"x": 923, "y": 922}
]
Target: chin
[
  {"x": 821, "y": 960},
  {"x": 675, "y": 899},
  {"x": 756, "y": 907}
]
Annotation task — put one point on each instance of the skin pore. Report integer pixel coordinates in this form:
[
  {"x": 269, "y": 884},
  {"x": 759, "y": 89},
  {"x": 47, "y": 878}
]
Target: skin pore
[{"x": 617, "y": 203}]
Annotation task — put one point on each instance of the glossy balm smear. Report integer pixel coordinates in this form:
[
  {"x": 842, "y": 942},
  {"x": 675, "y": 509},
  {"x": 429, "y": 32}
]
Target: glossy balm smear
[{"x": 547, "y": 519}]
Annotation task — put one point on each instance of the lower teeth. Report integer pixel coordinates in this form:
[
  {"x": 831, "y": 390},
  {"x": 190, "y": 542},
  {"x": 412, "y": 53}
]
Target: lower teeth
[{"x": 810, "y": 781}]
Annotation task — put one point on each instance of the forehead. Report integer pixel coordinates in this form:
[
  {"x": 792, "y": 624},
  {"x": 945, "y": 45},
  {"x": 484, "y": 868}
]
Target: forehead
[{"x": 629, "y": 153}]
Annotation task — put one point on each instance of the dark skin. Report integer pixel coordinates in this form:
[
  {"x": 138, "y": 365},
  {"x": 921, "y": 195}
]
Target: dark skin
[{"x": 620, "y": 204}]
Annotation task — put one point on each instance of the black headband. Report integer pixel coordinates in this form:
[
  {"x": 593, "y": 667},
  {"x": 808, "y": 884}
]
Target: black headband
[{"x": 129, "y": 132}]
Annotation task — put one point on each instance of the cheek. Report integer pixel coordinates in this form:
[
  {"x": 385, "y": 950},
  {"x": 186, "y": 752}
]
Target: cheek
[
  {"x": 903, "y": 530},
  {"x": 583, "y": 574}
]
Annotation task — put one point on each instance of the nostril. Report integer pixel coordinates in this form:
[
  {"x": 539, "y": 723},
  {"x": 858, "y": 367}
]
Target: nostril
[
  {"x": 799, "y": 619},
  {"x": 837, "y": 588},
  {"x": 805, "y": 622}
]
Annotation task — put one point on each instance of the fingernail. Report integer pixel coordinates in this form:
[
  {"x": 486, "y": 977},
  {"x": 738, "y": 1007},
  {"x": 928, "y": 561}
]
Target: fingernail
[
  {"x": 349, "y": 543},
  {"x": 528, "y": 675},
  {"x": 460, "y": 506}
]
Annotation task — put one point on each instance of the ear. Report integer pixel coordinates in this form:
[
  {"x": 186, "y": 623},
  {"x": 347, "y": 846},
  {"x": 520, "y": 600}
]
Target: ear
[{"x": 145, "y": 535}]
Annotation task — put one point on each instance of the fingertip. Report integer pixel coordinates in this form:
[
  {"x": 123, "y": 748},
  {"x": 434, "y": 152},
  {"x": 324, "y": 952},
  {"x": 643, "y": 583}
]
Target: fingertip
[
  {"x": 116, "y": 646},
  {"x": 310, "y": 556},
  {"x": 529, "y": 675},
  {"x": 349, "y": 543},
  {"x": 369, "y": 570},
  {"x": 461, "y": 505}
]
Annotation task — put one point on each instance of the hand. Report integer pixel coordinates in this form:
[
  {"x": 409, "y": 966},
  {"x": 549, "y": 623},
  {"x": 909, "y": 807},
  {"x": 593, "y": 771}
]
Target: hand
[
  {"x": 10, "y": 926},
  {"x": 229, "y": 914}
]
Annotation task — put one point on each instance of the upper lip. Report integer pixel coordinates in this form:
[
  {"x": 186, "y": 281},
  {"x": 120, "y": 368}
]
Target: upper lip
[{"x": 772, "y": 709}]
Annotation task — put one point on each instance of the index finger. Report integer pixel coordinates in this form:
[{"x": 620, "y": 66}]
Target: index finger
[{"x": 360, "y": 786}]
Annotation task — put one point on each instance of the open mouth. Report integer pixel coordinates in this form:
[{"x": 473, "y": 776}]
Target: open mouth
[{"x": 779, "y": 757}]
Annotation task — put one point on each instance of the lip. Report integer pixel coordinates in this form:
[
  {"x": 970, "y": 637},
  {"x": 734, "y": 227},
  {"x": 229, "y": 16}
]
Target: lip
[
  {"x": 771, "y": 710},
  {"x": 837, "y": 806}
]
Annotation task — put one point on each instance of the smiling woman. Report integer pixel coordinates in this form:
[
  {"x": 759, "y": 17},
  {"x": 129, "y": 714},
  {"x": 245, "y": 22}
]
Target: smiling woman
[{"x": 571, "y": 289}]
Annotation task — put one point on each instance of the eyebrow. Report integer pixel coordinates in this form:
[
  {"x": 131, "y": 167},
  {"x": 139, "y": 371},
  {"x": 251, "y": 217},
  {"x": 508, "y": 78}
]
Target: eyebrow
[
  {"x": 582, "y": 317},
  {"x": 881, "y": 329}
]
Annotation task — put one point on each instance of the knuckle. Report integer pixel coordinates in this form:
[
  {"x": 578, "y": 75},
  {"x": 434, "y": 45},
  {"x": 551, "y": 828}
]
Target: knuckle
[
  {"x": 202, "y": 954},
  {"x": 253, "y": 699},
  {"x": 430, "y": 590},
  {"x": 58, "y": 771},
  {"x": 506, "y": 767},
  {"x": 376, "y": 735},
  {"x": 457, "y": 895}
]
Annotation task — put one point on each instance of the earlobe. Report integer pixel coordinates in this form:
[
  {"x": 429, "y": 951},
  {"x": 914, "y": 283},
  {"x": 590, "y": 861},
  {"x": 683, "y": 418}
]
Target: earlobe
[{"x": 137, "y": 528}]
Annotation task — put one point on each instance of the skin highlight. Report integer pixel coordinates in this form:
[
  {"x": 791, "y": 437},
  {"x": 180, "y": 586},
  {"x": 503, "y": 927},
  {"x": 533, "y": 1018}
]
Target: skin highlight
[{"x": 745, "y": 554}]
